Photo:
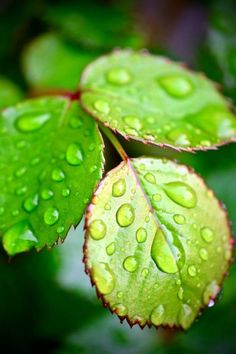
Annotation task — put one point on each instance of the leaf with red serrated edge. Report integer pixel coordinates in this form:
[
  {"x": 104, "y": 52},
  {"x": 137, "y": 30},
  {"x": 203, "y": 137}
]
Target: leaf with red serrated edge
[
  {"x": 153, "y": 100},
  {"x": 158, "y": 243}
]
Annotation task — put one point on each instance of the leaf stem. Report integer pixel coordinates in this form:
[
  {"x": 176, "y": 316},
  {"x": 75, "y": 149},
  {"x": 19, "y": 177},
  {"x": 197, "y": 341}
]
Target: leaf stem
[{"x": 115, "y": 142}]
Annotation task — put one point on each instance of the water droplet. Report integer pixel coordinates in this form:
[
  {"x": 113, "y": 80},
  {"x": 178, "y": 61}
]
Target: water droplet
[
  {"x": 207, "y": 234},
  {"x": 131, "y": 131},
  {"x": 133, "y": 122},
  {"x": 176, "y": 85},
  {"x": 51, "y": 216},
  {"x": 192, "y": 271},
  {"x": 21, "y": 190},
  {"x": 119, "y": 188},
  {"x": 118, "y": 76},
  {"x": 75, "y": 122},
  {"x": 31, "y": 203},
  {"x": 2, "y": 210},
  {"x": 181, "y": 293},
  {"x": 185, "y": 316},
  {"x": 181, "y": 193},
  {"x": 93, "y": 168},
  {"x": 120, "y": 309},
  {"x": 120, "y": 294},
  {"x": 60, "y": 229},
  {"x": 102, "y": 106},
  {"x": 178, "y": 137},
  {"x": 130, "y": 264},
  {"x": 179, "y": 219},
  {"x": 91, "y": 147},
  {"x": 156, "y": 197},
  {"x": 65, "y": 192},
  {"x": 58, "y": 175},
  {"x": 19, "y": 238},
  {"x": 110, "y": 249},
  {"x": 35, "y": 161},
  {"x": 157, "y": 315},
  {"x": 103, "y": 278},
  {"x": 107, "y": 206},
  {"x": 210, "y": 292},
  {"x": 145, "y": 272},
  {"x": 97, "y": 229},
  {"x": 31, "y": 122},
  {"x": 203, "y": 254},
  {"x": 125, "y": 215},
  {"x": 74, "y": 154},
  {"x": 15, "y": 212},
  {"x": 141, "y": 235},
  {"x": 46, "y": 194},
  {"x": 168, "y": 256},
  {"x": 20, "y": 171},
  {"x": 150, "y": 178}
]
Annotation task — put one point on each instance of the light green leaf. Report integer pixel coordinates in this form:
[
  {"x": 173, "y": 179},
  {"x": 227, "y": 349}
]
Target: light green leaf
[
  {"x": 158, "y": 243},
  {"x": 48, "y": 149},
  {"x": 9, "y": 93},
  {"x": 148, "y": 98},
  {"x": 51, "y": 62}
]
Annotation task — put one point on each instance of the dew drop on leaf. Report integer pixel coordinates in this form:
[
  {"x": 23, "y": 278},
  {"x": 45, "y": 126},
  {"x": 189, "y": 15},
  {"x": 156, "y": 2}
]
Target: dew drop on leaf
[
  {"x": 150, "y": 178},
  {"x": 119, "y": 188},
  {"x": 58, "y": 175},
  {"x": 125, "y": 215},
  {"x": 103, "y": 278},
  {"x": 179, "y": 219},
  {"x": 51, "y": 216},
  {"x": 31, "y": 203},
  {"x": 133, "y": 122},
  {"x": 130, "y": 264},
  {"x": 157, "y": 315},
  {"x": 203, "y": 254},
  {"x": 32, "y": 122},
  {"x": 97, "y": 229},
  {"x": 102, "y": 106},
  {"x": 46, "y": 194},
  {"x": 65, "y": 192},
  {"x": 120, "y": 309},
  {"x": 118, "y": 76},
  {"x": 141, "y": 235},
  {"x": 192, "y": 271},
  {"x": 210, "y": 292},
  {"x": 181, "y": 193},
  {"x": 185, "y": 316},
  {"x": 74, "y": 154},
  {"x": 110, "y": 249},
  {"x": 176, "y": 85},
  {"x": 207, "y": 234}
]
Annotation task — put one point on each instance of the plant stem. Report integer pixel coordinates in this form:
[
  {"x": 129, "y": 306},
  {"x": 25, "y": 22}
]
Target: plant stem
[{"x": 115, "y": 142}]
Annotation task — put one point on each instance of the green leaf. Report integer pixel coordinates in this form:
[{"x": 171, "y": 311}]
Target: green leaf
[
  {"x": 148, "y": 98},
  {"x": 51, "y": 62},
  {"x": 48, "y": 149},
  {"x": 158, "y": 243},
  {"x": 9, "y": 93}
]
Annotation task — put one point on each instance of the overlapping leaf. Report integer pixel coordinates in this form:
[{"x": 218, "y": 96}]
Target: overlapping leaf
[
  {"x": 158, "y": 243},
  {"x": 48, "y": 149},
  {"x": 9, "y": 93},
  {"x": 151, "y": 99}
]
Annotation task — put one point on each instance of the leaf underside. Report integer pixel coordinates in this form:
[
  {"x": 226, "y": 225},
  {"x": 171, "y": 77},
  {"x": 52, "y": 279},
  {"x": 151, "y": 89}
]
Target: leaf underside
[
  {"x": 158, "y": 243},
  {"x": 153, "y": 100},
  {"x": 48, "y": 148}
]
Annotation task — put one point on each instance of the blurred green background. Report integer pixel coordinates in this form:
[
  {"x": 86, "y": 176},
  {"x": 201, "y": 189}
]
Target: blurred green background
[{"x": 46, "y": 302}]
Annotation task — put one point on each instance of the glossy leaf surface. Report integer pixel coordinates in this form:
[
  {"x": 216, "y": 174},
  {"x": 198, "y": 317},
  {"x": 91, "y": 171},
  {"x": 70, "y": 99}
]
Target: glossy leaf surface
[
  {"x": 51, "y": 62},
  {"x": 158, "y": 243},
  {"x": 151, "y": 99},
  {"x": 48, "y": 149}
]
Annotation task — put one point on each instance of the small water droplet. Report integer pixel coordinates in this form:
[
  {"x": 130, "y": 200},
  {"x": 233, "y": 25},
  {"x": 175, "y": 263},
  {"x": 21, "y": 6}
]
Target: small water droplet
[
  {"x": 203, "y": 254},
  {"x": 119, "y": 188},
  {"x": 145, "y": 272},
  {"x": 20, "y": 171},
  {"x": 35, "y": 161},
  {"x": 120, "y": 309},
  {"x": 157, "y": 315},
  {"x": 97, "y": 229},
  {"x": 51, "y": 216},
  {"x": 74, "y": 155},
  {"x": 181, "y": 193},
  {"x": 185, "y": 316},
  {"x": 21, "y": 190},
  {"x": 75, "y": 122},
  {"x": 119, "y": 76},
  {"x": 2, "y": 210},
  {"x": 210, "y": 292},
  {"x": 58, "y": 175},
  {"x": 103, "y": 278},
  {"x": 150, "y": 178},
  {"x": 207, "y": 234},
  {"x": 178, "y": 137},
  {"x": 102, "y": 106},
  {"x": 192, "y": 271},
  {"x": 125, "y": 215},
  {"x": 133, "y": 122},
  {"x": 46, "y": 194},
  {"x": 156, "y": 197},
  {"x": 31, "y": 203},
  {"x": 177, "y": 86},
  {"x": 130, "y": 264},
  {"x": 60, "y": 229},
  {"x": 110, "y": 249},
  {"x": 141, "y": 235},
  {"x": 19, "y": 238},
  {"x": 179, "y": 219},
  {"x": 181, "y": 293},
  {"x": 91, "y": 147},
  {"x": 31, "y": 122},
  {"x": 65, "y": 192},
  {"x": 120, "y": 294},
  {"x": 131, "y": 131}
]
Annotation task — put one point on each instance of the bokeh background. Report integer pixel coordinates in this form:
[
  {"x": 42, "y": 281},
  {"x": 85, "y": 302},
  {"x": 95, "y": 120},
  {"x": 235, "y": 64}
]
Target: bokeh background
[{"x": 47, "y": 304}]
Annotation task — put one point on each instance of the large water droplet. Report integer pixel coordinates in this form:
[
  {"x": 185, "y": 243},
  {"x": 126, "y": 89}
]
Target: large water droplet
[
  {"x": 118, "y": 76},
  {"x": 207, "y": 234},
  {"x": 74, "y": 154},
  {"x": 157, "y": 315},
  {"x": 150, "y": 178},
  {"x": 133, "y": 122},
  {"x": 102, "y": 106},
  {"x": 185, "y": 316},
  {"x": 51, "y": 216},
  {"x": 58, "y": 175},
  {"x": 181, "y": 193},
  {"x": 103, "y": 278},
  {"x": 176, "y": 85},
  {"x": 210, "y": 292},
  {"x": 130, "y": 264},
  {"x": 31, "y": 203},
  {"x": 141, "y": 235},
  {"x": 125, "y": 215},
  {"x": 30, "y": 122},
  {"x": 19, "y": 238},
  {"x": 97, "y": 229},
  {"x": 119, "y": 188}
]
